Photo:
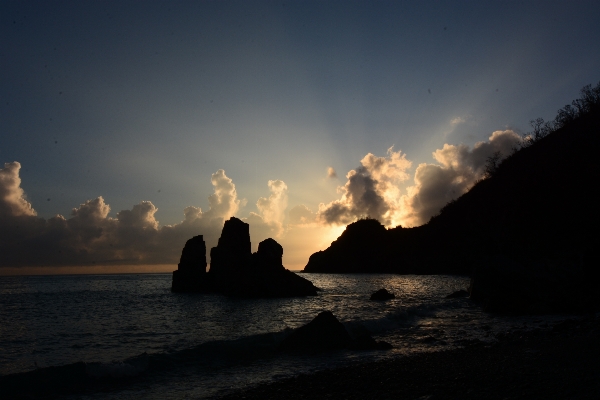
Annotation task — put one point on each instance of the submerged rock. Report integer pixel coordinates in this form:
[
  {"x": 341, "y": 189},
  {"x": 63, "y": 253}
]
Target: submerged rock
[{"x": 382, "y": 295}]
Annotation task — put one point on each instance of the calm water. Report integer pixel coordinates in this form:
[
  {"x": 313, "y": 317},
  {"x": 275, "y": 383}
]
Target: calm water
[{"x": 209, "y": 344}]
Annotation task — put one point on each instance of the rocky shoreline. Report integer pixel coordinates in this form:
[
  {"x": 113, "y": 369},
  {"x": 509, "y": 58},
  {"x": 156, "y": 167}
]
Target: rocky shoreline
[{"x": 560, "y": 362}]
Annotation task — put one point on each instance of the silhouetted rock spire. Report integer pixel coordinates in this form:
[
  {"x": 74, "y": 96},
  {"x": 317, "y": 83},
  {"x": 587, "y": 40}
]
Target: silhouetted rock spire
[
  {"x": 233, "y": 250},
  {"x": 235, "y": 271},
  {"x": 191, "y": 273},
  {"x": 269, "y": 256},
  {"x": 193, "y": 255}
]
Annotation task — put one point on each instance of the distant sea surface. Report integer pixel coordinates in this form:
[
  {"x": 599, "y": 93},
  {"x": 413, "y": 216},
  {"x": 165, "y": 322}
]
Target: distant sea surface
[{"x": 200, "y": 345}]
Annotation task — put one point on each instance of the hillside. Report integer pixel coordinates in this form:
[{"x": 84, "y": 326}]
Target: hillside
[{"x": 538, "y": 204}]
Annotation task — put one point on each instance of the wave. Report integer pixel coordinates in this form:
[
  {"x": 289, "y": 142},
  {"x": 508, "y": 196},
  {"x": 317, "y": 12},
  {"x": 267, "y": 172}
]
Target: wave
[
  {"x": 392, "y": 321},
  {"x": 85, "y": 376},
  {"x": 81, "y": 376}
]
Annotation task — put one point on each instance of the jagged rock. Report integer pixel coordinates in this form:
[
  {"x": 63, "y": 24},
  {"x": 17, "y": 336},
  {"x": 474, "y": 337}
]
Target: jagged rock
[
  {"x": 232, "y": 253},
  {"x": 269, "y": 256},
  {"x": 235, "y": 271},
  {"x": 265, "y": 276},
  {"x": 193, "y": 255},
  {"x": 458, "y": 294},
  {"x": 382, "y": 295},
  {"x": 191, "y": 273}
]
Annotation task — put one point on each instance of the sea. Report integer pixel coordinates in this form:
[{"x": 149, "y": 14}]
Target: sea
[{"x": 132, "y": 332}]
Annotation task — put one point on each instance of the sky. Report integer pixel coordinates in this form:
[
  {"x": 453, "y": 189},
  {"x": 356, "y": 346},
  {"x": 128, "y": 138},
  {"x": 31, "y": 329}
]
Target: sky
[{"x": 127, "y": 127}]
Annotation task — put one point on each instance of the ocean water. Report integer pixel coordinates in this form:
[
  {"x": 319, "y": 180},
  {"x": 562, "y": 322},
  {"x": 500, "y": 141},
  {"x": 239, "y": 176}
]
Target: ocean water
[{"x": 198, "y": 346}]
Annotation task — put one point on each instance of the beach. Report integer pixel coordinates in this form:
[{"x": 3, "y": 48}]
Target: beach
[{"x": 560, "y": 362}]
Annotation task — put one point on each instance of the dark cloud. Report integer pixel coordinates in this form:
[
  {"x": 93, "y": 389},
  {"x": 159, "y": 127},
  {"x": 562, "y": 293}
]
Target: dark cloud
[{"x": 90, "y": 236}]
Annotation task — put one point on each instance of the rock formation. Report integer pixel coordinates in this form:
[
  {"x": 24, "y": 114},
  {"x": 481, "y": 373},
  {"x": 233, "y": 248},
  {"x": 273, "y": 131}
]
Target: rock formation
[
  {"x": 382, "y": 295},
  {"x": 232, "y": 254},
  {"x": 235, "y": 271},
  {"x": 191, "y": 272},
  {"x": 326, "y": 333}
]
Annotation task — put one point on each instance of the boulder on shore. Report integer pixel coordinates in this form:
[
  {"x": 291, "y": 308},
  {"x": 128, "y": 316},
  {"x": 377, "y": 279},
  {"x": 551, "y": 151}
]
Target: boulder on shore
[
  {"x": 323, "y": 333},
  {"x": 326, "y": 333},
  {"x": 382, "y": 295}
]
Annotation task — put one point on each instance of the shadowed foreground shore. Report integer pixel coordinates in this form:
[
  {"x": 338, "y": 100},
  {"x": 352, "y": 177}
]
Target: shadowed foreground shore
[{"x": 561, "y": 362}]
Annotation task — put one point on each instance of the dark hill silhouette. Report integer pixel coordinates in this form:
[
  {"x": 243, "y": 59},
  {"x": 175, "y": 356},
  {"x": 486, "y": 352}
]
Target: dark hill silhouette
[
  {"x": 360, "y": 248},
  {"x": 537, "y": 211},
  {"x": 234, "y": 270}
]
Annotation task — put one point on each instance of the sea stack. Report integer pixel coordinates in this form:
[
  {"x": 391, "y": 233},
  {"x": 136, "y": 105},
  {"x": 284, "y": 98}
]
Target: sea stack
[
  {"x": 232, "y": 253},
  {"x": 235, "y": 271},
  {"x": 191, "y": 272}
]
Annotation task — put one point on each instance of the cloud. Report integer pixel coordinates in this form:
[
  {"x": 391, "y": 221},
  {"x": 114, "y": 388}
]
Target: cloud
[
  {"x": 268, "y": 222},
  {"x": 331, "y": 173},
  {"x": 371, "y": 190},
  {"x": 301, "y": 215},
  {"x": 12, "y": 197},
  {"x": 91, "y": 236},
  {"x": 458, "y": 169},
  {"x": 457, "y": 120},
  {"x": 272, "y": 208},
  {"x": 224, "y": 202}
]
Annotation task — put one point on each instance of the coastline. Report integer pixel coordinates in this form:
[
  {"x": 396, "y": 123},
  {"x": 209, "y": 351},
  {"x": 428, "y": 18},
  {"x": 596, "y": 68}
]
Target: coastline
[{"x": 559, "y": 362}]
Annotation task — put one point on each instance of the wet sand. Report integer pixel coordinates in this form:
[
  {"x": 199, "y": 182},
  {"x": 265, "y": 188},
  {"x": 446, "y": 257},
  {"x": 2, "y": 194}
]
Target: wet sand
[{"x": 561, "y": 362}]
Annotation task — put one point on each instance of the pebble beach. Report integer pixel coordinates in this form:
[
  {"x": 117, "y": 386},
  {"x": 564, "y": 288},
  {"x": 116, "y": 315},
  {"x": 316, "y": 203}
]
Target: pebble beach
[{"x": 561, "y": 362}]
